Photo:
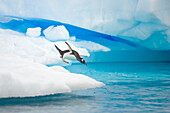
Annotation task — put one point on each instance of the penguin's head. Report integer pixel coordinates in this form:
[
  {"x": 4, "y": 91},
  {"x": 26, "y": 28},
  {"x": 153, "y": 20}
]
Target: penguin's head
[{"x": 83, "y": 61}]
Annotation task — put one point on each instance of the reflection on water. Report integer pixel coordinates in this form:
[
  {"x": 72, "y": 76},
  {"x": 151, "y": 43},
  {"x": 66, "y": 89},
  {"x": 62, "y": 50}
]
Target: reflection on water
[
  {"x": 56, "y": 99},
  {"x": 130, "y": 87},
  {"x": 61, "y": 103}
]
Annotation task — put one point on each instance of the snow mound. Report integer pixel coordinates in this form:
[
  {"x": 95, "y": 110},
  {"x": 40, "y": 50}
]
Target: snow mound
[
  {"x": 56, "y": 33},
  {"x": 34, "y": 32},
  {"x": 22, "y": 69},
  {"x": 38, "y": 50},
  {"x": 20, "y": 78}
]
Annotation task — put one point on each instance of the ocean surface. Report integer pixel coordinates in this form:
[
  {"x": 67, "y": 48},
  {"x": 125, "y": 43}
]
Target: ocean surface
[{"x": 130, "y": 88}]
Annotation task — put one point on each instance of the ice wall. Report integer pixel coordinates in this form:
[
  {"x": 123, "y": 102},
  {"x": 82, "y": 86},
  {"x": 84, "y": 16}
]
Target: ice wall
[
  {"x": 102, "y": 47},
  {"x": 142, "y": 21}
]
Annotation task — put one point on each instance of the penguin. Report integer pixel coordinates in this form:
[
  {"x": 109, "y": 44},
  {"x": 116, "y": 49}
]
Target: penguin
[{"x": 70, "y": 54}]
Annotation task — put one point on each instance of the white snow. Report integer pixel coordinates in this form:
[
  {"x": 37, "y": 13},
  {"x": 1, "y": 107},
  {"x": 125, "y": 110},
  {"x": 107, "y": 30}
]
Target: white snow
[
  {"x": 22, "y": 69},
  {"x": 38, "y": 50},
  {"x": 20, "y": 77},
  {"x": 56, "y": 33},
  {"x": 34, "y": 32}
]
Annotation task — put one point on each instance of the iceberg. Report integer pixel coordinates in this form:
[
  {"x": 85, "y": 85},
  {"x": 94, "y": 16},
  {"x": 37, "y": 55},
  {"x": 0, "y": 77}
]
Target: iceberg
[
  {"x": 24, "y": 71},
  {"x": 34, "y": 32},
  {"x": 22, "y": 78},
  {"x": 106, "y": 31},
  {"x": 111, "y": 48},
  {"x": 56, "y": 33},
  {"x": 140, "y": 21}
]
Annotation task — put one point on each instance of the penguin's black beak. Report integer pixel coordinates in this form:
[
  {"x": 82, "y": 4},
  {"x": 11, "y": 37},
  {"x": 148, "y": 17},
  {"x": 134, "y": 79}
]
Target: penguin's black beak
[{"x": 85, "y": 63}]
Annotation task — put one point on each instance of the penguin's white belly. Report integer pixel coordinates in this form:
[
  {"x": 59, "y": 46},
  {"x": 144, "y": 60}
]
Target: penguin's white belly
[{"x": 69, "y": 56}]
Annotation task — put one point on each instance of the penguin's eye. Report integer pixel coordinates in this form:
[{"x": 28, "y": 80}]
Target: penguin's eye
[{"x": 82, "y": 60}]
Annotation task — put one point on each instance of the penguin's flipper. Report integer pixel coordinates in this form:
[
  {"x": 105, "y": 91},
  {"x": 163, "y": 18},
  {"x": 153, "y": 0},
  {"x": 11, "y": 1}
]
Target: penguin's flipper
[
  {"x": 66, "y": 51},
  {"x": 69, "y": 47},
  {"x": 61, "y": 53}
]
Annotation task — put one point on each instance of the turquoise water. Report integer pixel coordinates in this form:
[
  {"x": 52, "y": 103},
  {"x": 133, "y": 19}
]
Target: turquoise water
[{"x": 130, "y": 88}]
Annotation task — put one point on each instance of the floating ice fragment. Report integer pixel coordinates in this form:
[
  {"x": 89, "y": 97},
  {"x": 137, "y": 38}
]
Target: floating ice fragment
[
  {"x": 56, "y": 33},
  {"x": 33, "y": 32}
]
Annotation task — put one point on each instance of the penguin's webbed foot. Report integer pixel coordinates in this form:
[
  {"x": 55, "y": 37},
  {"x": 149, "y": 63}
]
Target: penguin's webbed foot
[{"x": 65, "y": 61}]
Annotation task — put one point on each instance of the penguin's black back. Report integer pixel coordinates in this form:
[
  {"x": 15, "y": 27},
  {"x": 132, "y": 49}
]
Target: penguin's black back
[
  {"x": 63, "y": 52},
  {"x": 76, "y": 54}
]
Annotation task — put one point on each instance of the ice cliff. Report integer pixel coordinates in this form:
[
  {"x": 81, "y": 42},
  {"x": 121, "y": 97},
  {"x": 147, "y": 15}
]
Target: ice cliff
[{"x": 142, "y": 21}]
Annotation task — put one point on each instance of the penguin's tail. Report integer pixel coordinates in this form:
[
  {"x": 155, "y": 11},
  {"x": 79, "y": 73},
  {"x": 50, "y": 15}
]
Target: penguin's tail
[{"x": 59, "y": 50}]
